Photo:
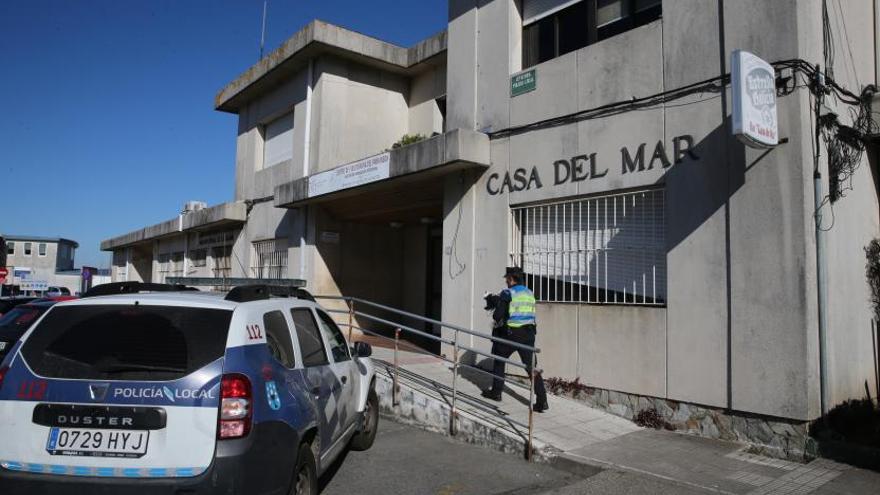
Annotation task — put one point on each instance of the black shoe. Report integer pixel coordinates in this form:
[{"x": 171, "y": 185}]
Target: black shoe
[
  {"x": 491, "y": 395},
  {"x": 540, "y": 407}
]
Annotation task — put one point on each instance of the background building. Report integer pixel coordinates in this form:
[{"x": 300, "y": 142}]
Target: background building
[
  {"x": 590, "y": 143},
  {"x": 36, "y": 262}
]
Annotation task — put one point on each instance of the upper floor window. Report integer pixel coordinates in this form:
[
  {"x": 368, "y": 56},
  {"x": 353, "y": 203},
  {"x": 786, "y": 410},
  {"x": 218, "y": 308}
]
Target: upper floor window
[
  {"x": 278, "y": 140},
  {"x": 10, "y": 248},
  {"x": 27, "y": 249},
  {"x": 555, "y": 27},
  {"x": 41, "y": 249}
]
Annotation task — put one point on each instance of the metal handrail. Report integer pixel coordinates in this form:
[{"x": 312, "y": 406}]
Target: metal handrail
[
  {"x": 434, "y": 322},
  {"x": 457, "y": 365}
]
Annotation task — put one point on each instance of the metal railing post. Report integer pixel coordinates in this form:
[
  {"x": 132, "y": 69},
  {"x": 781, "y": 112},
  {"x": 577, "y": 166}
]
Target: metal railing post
[
  {"x": 395, "y": 387},
  {"x": 531, "y": 401},
  {"x": 350, "y": 319},
  {"x": 454, "y": 413}
]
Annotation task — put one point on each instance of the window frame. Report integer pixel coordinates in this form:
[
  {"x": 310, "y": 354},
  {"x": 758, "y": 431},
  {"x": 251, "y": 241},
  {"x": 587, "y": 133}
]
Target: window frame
[
  {"x": 10, "y": 248},
  {"x": 325, "y": 321},
  {"x": 28, "y": 249},
  {"x": 285, "y": 332},
  {"x": 320, "y": 339},
  {"x": 42, "y": 250},
  {"x": 590, "y": 249},
  {"x": 632, "y": 18},
  {"x": 264, "y": 129}
]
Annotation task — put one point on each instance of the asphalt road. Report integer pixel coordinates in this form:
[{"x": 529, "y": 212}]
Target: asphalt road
[{"x": 405, "y": 460}]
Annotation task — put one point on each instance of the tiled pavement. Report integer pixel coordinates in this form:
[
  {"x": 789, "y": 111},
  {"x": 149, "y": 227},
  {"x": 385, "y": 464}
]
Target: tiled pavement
[{"x": 595, "y": 437}]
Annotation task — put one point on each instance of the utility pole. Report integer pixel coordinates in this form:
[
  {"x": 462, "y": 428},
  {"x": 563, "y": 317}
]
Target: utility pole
[{"x": 263, "y": 31}]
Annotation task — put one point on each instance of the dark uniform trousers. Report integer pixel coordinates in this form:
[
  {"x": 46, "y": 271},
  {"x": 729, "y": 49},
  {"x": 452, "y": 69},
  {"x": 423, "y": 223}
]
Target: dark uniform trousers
[{"x": 521, "y": 335}]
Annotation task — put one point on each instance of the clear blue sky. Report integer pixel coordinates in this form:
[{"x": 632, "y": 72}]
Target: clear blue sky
[{"x": 107, "y": 119}]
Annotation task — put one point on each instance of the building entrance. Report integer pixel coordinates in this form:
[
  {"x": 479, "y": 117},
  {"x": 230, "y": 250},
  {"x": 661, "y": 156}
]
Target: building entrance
[{"x": 385, "y": 247}]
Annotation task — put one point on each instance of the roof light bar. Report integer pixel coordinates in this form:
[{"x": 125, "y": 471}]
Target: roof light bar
[{"x": 294, "y": 283}]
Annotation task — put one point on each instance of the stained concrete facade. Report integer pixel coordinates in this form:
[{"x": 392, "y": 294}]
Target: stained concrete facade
[{"x": 738, "y": 330}]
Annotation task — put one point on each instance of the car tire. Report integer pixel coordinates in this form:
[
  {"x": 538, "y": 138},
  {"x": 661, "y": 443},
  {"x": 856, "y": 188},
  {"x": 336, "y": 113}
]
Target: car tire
[
  {"x": 364, "y": 438},
  {"x": 305, "y": 476}
]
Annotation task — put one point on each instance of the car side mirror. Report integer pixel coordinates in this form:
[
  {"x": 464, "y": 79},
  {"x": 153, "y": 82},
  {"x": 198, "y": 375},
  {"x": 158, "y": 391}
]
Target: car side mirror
[{"x": 363, "y": 349}]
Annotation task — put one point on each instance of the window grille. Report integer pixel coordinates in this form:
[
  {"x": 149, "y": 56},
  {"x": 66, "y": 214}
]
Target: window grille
[
  {"x": 269, "y": 259},
  {"x": 177, "y": 264},
  {"x": 199, "y": 258},
  {"x": 607, "y": 250},
  {"x": 222, "y": 261},
  {"x": 164, "y": 268}
]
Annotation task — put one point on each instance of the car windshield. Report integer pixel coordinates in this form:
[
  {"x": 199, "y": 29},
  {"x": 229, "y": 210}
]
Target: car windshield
[{"x": 122, "y": 342}]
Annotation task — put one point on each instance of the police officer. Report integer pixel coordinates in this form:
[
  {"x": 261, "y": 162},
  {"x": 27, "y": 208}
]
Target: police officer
[{"x": 514, "y": 318}]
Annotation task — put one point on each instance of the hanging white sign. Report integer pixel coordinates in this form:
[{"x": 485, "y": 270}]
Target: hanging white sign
[
  {"x": 372, "y": 169},
  {"x": 754, "y": 100}
]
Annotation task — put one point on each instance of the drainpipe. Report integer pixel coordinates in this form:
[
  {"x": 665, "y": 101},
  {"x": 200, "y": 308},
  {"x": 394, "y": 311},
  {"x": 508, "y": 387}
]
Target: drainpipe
[
  {"x": 877, "y": 42},
  {"x": 307, "y": 146},
  {"x": 821, "y": 271}
]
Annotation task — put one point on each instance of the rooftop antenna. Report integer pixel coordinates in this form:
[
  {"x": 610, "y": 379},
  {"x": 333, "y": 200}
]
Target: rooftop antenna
[{"x": 263, "y": 32}]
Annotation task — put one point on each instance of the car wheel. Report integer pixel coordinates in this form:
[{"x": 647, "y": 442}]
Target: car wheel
[
  {"x": 305, "y": 478},
  {"x": 363, "y": 440}
]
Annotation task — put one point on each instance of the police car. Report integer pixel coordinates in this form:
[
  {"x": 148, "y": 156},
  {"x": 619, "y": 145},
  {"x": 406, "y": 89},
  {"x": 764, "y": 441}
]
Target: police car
[{"x": 160, "y": 390}]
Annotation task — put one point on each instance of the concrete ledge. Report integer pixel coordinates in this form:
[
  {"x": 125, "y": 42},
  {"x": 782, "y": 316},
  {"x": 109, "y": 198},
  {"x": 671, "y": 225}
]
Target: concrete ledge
[
  {"x": 321, "y": 37},
  {"x": 457, "y": 149},
  {"x": 214, "y": 216}
]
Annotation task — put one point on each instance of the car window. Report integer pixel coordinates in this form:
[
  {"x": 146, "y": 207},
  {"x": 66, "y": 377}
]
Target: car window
[
  {"x": 278, "y": 338},
  {"x": 338, "y": 346},
  {"x": 310, "y": 343},
  {"x": 124, "y": 342}
]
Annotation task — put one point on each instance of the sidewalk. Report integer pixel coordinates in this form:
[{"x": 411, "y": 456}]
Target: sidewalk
[{"x": 573, "y": 432}]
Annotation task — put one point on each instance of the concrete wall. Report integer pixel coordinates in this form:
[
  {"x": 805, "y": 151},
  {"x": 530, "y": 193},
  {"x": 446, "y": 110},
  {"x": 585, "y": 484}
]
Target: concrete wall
[
  {"x": 252, "y": 180},
  {"x": 424, "y": 115},
  {"x": 357, "y": 112},
  {"x": 852, "y": 221},
  {"x": 740, "y": 327}
]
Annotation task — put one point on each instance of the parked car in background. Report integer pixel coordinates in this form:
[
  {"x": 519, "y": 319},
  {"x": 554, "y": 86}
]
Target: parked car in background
[
  {"x": 7, "y": 303},
  {"x": 17, "y": 321},
  {"x": 57, "y": 291}
]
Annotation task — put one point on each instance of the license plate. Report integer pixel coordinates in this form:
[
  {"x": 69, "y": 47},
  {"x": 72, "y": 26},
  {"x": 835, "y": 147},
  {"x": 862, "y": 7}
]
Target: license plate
[{"x": 97, "y": 443}]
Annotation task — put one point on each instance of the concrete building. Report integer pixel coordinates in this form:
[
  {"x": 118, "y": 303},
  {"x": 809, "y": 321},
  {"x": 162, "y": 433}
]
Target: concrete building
[
  {"x": 47, "y": 261},
  {"x": 676, "y": 268}
]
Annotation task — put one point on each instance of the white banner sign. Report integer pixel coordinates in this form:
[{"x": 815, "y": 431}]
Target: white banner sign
[
  {"x": 35, "y": 285},
  {"x": 754, "y": 100},
  {"x": 372, "y": 169}
]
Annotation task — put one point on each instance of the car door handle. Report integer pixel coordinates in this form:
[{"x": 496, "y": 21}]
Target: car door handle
[{"x": 344, "y": 380}]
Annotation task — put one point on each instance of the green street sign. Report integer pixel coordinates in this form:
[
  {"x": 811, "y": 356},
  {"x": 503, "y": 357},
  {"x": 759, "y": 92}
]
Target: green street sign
[{"x": 523, "y": 83}]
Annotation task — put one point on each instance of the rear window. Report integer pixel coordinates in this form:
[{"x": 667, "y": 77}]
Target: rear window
[{"x": 153, "y": 343}]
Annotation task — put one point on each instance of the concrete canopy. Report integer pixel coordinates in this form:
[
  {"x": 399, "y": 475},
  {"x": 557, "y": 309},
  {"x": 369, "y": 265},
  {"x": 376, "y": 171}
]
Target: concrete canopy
[
  {"x": 209, "y": 218},
  {"x": 412, "y": 188},
  {"x": 319, "y": 38}
]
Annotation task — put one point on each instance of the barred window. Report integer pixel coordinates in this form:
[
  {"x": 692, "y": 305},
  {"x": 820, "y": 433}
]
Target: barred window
[
  {"x": 222, "y": 261},
  {"x": 170, "y": 265},
  {"x": 269, "y": 259},
  {"x": 199, "y": 258},
  {"x": 164, "y": 268},
  {"x": 607, "y": 249}
]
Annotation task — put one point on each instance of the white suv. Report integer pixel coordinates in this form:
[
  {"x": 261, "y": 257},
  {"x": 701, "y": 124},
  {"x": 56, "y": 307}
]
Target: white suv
[{"x": 157, "y": 390}]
